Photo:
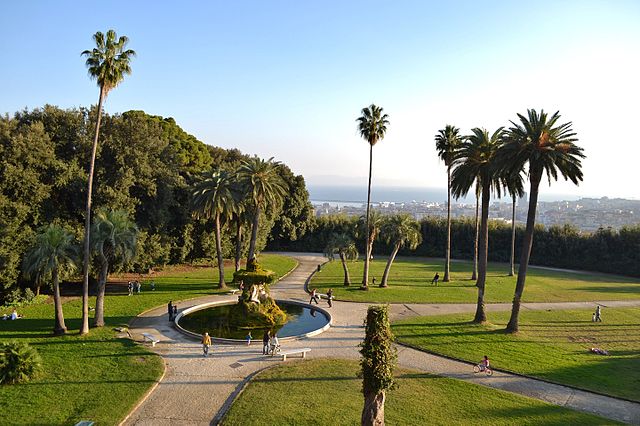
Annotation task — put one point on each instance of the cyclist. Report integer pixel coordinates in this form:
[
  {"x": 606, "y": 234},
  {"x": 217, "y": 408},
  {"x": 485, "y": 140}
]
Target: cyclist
[{"x": 484, "y": 364}]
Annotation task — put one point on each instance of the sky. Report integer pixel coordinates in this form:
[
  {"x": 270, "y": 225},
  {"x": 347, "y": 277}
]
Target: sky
[{"x": 287, "y": 79}]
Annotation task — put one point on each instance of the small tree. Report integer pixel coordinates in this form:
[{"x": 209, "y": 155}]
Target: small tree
[
  {"x": 19, "y": 362},
  {"x": 377, "y": 363},
  {"x": 399, "y": 230},
  {"x": 346, "y": 249}
]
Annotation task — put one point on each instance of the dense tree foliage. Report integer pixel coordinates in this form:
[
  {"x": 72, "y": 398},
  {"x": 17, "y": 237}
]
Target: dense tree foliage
[{"x": 145, "y": 165}]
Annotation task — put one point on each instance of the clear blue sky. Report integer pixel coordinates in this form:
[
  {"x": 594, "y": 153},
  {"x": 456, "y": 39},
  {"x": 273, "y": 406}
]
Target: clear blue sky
[{"x": 288, "y": 78}]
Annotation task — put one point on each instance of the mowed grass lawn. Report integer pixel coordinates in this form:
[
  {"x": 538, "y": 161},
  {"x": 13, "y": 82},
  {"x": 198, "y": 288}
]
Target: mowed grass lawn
[
  {"x": 410, "y": 282},
  {"x": 551, "y": 345},
  {"x": 327, "y": 392},
  {"x": 98, "y": 377}
]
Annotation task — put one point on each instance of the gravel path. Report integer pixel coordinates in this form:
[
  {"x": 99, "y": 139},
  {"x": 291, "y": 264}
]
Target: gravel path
[{"x": 197, "y": 390}]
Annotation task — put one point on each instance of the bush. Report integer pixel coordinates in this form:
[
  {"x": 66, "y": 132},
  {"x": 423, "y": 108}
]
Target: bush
[
  {"x": 19, "y": 362},
  {"x": 254, "y": 274}
]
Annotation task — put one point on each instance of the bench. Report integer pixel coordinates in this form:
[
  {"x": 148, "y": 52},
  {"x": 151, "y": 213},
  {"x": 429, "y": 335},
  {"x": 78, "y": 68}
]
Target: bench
[
  {"x": 84, "y": 423},
  {"x": 149, "y": 337},
  {"x": 302, "y": 351}
]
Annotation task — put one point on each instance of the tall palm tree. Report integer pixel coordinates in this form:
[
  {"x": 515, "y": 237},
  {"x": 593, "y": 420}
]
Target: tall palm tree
[
  {"x": 113, "y": 239},
  {"x": 53, "y": 252},
  {"x": 345, "y": 247},
  {"x": 514, "y": 186},
  {"x": 372, "y": 126},
  {"x": 474, "y": 274},
  {"x": 546, "y": 148},
  {"x": 447, "y": 143},
  {"x": 477, "y": 162},
  {"x": 215, "y": 198},
  {"x": 265, "y": 188},
  {"x": 108, "y": 63},
  {"x": 399, "y": 230}
]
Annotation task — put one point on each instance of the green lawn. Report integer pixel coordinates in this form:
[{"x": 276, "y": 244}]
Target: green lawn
[
  {"x": 98, "y": 377},
  {"x": 410, "y": 282},
  {"x": 327, "y": 392},
  {"x": 552, "y": 345}
]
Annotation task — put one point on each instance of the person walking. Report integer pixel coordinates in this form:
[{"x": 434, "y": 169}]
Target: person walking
[
  {"x": 598, "y": 318},
  {"x": 435, "y": 279},
  {"x": 314, "y": 296},
  {"x": 206, "y": 343},
  {"x": 130, "y": 288},
  {"x": 175, "y": 311},
  {"x": 329, "y": 296},
  {"x": 138, "y": 287},
  {"x": 248, "y": 338},
  {"x": 170, "y": 310},
  {"x": 275, "y": 344},
  {"x": 265, "y": 342}
]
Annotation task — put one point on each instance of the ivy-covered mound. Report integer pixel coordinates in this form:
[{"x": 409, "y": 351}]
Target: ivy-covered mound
[{"x": 256, "y": 309}]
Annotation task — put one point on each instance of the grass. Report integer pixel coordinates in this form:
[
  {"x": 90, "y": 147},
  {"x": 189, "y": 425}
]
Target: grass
[
  {"x": 98, "y": 377},
  {"x": 410, "y": 282},
  {"x": 328, "y": 392},
  {"x": 551, "y": 345}
]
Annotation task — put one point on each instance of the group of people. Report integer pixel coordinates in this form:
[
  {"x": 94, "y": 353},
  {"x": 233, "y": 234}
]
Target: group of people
[
  {"x": 134, "y": 286},
  {"x": 14, "y": 315},
  {"x": 270, "y": 343},
  {"x": 315, "y": 297},
  {"x": 172, "y": 310}
]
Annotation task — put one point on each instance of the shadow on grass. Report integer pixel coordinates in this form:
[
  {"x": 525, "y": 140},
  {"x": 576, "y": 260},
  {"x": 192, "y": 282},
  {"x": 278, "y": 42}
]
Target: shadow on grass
[{"x": 629, "y": 288}]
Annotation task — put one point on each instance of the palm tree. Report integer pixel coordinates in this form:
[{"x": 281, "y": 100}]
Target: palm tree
[
  {"x": 474, "y": 274},
  {"x": 477, "y": 162},
  {"x": 265, "y": 188},
  {"x": 113, "y": 238},
  {"x": 447, "y": 142},
  {"x": 400, "y": 230},
  {"x": 548, "y": 149},
  {"x": 54, "y": 252},
  {"x": 370, "y": 228},
  {"x": 108, "y": 63},
  {"x": 346, "y": 249},
  {"x": 215, "y": 197},
  {"x": 372, "y": 126},
  {"x": 514, "y": 186}
]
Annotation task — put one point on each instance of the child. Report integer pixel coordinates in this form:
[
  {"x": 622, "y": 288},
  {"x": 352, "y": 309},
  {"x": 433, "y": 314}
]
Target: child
[
  {"x": 329, "y": 296},
  {"x": 484, "y": 364},
  {"x": 206, "y": 343},
  {"x": 248, "y": 337}
]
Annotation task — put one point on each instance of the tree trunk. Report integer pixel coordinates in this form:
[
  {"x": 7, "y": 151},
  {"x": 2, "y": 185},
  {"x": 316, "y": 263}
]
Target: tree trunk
[
  {"x": 221, "y": 283},
  {"x": 84, "y": 327},
  {"x": 387, "y": 268},
  {"x": 254, "y": 234},
  {"x": 527, "y": 243},
  {"x": 59, "y": 327},
  {"x": 102, "y": 284},
  {"x": 373, "y": 410},
  {"x": 513, "y": 237},
  {"x": 447, "y": 255},
  {"x": 38, "y": 288},
  {"x": 347, "y": 279},
  {"x": 238, "y": 244},
  {"x": 367, "y": 255},
  {"x": 483, "y": 245},
  {"x": 474, "y": 275}
]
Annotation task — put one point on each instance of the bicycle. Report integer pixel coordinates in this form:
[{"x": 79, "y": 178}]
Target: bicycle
[
  {"x": 479, "y": 368},
  {"x": 274, "y": 350}
]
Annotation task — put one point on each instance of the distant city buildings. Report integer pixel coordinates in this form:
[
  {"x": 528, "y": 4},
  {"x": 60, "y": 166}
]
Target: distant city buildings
[{"x": 586, "y": 214}]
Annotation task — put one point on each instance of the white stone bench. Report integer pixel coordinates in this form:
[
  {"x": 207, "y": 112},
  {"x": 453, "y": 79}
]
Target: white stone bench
[
  {"x": 149, "y": 337},
  {"x": 302, "y": 351}
]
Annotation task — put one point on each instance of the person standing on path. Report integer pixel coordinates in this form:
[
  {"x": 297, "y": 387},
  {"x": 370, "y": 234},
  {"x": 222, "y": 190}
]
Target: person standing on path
[
  {"x": 598, "y": 318},
  {"x": 265, "y": 342},
  {"x": 206, "y": 343},
  {"x": 329, "y": 296},
  {"x": 248, "y": 338},
  {"x": 175, "y": 311},
  {"x": 170, "y": 310},
  {"x": 314, "y": 296}
]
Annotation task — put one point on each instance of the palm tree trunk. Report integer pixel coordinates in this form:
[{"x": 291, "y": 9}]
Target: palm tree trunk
[
  {"x": 254, "y": 234},
  {"x": 365, "y": 275},
  {"x": 513, "y": 237},
  {"x": 387, "y": 268},
  {"x": 59, "y": 327},
  {"x": 238, "y": 244},
  {"x": 527, "y": 243},
  {"x": 102, "y": 284},
  {"x": 84, "y": 328},
  {"x": 347, "y": 279},
  {"x": 447, "y": 263},
  {"x": 373, "y": 410},
  {"x": 474, "y": 275},
  {"x": 483, "y": 246},
  {"x": 221, "y": 283}
]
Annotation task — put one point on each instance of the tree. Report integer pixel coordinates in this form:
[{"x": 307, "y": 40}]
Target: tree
[
  {"x": 372, "y": 126},
  {"x": 215, "y": 198},
  {"x": 370, "y": 228},
  {"x": 377, "y": 364},
  {"x": 514, "y": 186},
  {"x": 346, "y": 249},
  {"x": 477, "y": 161},
  {"x": 265, "y": 187},
  {"x": 113, "y": 239},
  {"x": 108, "y": 63},
  {"x": 548, "y": 149},
  {"x": 399, "y": 230},
  {"x": 447, "y": 143},
  {"x": 53, "y": 253},
  {"x": 474, "y": 274}
]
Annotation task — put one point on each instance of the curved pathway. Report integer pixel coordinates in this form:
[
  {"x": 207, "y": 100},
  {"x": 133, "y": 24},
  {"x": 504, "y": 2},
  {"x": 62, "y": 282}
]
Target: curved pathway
[{"x": 197, "y": 390}]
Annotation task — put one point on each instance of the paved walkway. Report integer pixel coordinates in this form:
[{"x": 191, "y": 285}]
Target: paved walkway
[{"x": 197, "y": 390}]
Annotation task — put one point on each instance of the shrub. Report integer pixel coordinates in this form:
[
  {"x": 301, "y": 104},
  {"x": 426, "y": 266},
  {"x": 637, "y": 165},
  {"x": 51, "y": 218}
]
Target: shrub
[
  {"x": 19, "y": 362},
  {"x": 254, "y": 274}
]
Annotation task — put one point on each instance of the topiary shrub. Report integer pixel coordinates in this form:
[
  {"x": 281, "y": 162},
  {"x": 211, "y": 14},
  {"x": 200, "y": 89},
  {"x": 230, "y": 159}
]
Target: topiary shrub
[
  {"x": 19, "y": 362},
  {"x": 254, "y": 274}
]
